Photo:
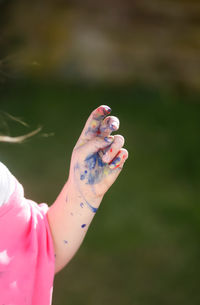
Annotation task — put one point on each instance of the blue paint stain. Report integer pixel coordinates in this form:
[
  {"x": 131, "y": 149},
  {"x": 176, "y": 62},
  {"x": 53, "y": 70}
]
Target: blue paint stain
[
  {"x": 76, "y": 166},
  {"x": 95, "y": 166},
  {"x": 65, "y": 241},
  {"x": 91, "y": 161},
  {"x": 82, "y": 176},
  {"x": 116, "y": 160},
  {"x": 113, "y": 127},
  {"x": 108, "y": 140},
  {"x": 100, "y": 162},
  {"x": 94, "y": 210},
  {"x": 81, "y": 204},
  {"x": 91, "y": 178},
  {"x": 83, "y": 225}
]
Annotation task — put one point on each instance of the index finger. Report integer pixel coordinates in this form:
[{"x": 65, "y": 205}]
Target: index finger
[{"x": 92, "y": 126}]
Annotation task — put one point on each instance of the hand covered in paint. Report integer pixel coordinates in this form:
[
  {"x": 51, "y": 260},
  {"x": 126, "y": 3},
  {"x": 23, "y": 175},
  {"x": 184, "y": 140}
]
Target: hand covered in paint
[{"x": 97, "y": 158}]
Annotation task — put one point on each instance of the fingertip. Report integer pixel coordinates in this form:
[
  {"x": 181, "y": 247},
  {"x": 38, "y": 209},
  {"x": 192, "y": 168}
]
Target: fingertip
[
  {"x": 114, "y": 126},
  {"x": 109, "y": 124},
  {"x": 103, "y": 110},
  {"x": 125, "y": 154},
  {"x": 119, "y": 160},
  {"x": 106, "y": 109},
  {"x": 92, "y": 126},
  {"x": 114, "y": 123}
]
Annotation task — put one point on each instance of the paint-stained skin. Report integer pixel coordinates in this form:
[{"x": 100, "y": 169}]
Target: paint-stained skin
[
  {"x": 109, "y": 124},
  {"x": 115, "y": 163},
  {"x": 108, "y": 148},
  {"x": 83, "y": 225},
  {"x": 77, "y": 168},
  {"x": 108, "y": 139},
  {"x": 93, "y": 209},
  {"x": 99, "y": 115},
  {"x": 96, "y": 169},
  {"x": 92, "y": 170}
]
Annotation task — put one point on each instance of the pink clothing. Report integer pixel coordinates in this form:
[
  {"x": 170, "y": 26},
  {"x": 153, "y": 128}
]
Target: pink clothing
[{"x": 26, "y": 252}]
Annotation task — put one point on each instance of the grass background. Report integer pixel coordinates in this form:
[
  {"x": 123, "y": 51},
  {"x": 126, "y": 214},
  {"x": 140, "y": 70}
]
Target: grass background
[{"x": 143, "y": 245}]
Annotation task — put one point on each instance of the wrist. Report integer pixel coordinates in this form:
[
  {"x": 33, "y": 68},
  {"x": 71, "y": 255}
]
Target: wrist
[{"x": 90, "y": 199}]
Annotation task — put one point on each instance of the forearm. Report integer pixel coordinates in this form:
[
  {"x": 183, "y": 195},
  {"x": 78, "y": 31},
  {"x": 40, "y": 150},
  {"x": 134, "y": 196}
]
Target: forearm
[
  {"x": 71, "y": 215},
  {"x": 97, "y": 160}
]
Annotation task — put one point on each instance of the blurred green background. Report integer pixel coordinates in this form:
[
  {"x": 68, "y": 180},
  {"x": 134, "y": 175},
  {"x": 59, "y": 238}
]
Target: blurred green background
[{"x": 58, "y": 61}]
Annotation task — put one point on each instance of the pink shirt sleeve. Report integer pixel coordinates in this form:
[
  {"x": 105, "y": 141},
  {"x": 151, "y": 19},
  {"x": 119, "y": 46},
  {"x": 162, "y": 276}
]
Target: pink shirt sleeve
[{"x": 26, "y": 252}]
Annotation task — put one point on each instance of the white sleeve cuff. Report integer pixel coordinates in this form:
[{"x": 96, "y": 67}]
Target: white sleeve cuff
[{"x": 7, "y": 184}]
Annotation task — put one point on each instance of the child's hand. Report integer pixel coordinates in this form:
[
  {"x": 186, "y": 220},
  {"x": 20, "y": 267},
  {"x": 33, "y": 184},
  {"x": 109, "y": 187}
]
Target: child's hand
[{"x": 97, "y": 158}]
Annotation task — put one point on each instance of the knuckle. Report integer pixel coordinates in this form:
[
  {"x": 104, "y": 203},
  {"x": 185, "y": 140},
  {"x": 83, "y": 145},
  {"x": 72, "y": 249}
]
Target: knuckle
[
  {"x": 98, "y": 142},
  {"x": 120, "y": 140},
  {"x": 114, "y": 119}
]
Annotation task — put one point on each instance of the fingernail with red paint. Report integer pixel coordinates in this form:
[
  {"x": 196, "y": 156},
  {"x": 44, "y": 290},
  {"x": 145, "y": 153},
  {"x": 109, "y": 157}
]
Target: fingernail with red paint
[{"x": 106, "y": 109}]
